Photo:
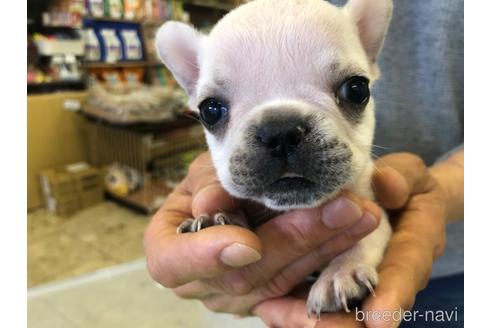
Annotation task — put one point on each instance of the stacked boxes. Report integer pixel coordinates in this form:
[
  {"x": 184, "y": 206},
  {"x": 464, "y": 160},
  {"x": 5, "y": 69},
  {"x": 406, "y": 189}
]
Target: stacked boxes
[
  {"x": 89, "y": 186},
  {"x": 70, "y": 188}
]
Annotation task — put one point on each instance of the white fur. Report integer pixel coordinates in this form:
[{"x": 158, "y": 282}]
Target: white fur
[{"x": 275, "y": 54}]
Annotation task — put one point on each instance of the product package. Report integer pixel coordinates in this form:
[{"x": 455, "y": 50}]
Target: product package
[
  {"x": 77, "y": 11},
  {"x": 133, "y": 9},
  {"x": 96, "y": 8},
  {"x": 154, "y": 10},
  {"x": 112, "y": 78},
  {"x": 70, "y": 70},
  {"x": 114, "y": 8},
  {"x": 112, "y": 45},
  {"x": 92, "y": 46},
  {"x": 133, "y": 76},
  {"x": 132, "y": 47}
]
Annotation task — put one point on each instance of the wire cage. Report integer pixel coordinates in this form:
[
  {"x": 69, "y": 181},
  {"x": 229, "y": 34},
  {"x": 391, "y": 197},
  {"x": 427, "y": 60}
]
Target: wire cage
[{"x": 160, "y": 155}]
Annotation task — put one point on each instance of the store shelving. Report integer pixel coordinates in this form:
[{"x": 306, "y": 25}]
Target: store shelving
[
  {"x": 45, "y": 87},
  {"x": 144, "y": 63},
  {"x": 222, "y": 5}
]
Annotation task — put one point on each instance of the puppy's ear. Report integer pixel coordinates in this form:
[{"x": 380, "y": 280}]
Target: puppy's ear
[
  {"x": 178, "y": 46},
  {"x": 372, "y": 18}
]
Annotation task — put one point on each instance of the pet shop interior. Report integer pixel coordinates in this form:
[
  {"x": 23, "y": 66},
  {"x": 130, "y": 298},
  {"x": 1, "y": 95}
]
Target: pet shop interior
[{"x": 108, "y": 139}]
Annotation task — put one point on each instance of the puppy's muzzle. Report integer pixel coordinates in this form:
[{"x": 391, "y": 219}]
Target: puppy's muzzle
[{"x": 289, "y": 160}]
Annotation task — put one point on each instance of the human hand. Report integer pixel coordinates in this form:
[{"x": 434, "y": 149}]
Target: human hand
[
  {"x": 417, "y": 205},
  {"x": 231, "y": 269}
]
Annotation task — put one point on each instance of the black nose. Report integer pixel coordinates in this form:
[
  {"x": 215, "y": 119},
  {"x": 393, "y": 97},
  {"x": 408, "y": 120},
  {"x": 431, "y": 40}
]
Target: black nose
[{"x": 282, "y": 137}]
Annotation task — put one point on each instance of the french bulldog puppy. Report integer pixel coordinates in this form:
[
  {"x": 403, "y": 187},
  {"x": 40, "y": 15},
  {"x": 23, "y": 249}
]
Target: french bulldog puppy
[{"x": 282, "y": 88}]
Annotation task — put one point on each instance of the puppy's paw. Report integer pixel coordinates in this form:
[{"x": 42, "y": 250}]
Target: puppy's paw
[
  {"x": 341, "y": 288},
  {"x": 204, "y": 221}
]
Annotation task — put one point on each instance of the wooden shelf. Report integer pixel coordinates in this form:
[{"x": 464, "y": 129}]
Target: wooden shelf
[
  {"x": 214, "y": 4},
  {"x": 149, "y": 63},
  {"x": 61, "y": 27},
  {"x": 145, "y": 22},
  {"x": 55, "y": 86},
  {"x": 115, "y": 20},
  {"x": 151, "y": 23}
]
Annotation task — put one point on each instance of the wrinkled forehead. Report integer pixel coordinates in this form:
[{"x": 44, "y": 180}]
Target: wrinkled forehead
[{"x": 270, "y": 51}]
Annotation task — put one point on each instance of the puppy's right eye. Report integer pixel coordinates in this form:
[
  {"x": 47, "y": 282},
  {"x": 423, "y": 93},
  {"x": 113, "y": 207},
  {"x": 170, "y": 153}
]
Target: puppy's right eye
[{"x": 212, "y": 111}]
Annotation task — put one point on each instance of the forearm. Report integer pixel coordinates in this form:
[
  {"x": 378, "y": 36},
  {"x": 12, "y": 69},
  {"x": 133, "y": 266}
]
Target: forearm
[{"x": 449, "y": 173}]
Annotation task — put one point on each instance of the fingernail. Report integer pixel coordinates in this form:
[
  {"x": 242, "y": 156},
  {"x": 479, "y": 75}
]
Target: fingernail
[
  {"x": 365, "y": 224},
  {"x": 340, "y": 213},
  {"x": 238, "y": 255}
]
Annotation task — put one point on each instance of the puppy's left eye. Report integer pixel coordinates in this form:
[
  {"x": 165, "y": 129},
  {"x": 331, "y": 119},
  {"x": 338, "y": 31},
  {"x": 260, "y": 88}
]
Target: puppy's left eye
[
  {"x": 355, "y": 90},
  {"x": 212, "y": 111}
]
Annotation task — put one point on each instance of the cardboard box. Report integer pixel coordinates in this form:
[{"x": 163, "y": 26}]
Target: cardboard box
[
  {"x": 55, "y": 136},
  {"x": 63, "y": 207},
  {"x": 88, "y": 179},
  {"x": 89, "y": 198},
  {"x": 56, "y": 183},
  {"x": 67, "y": 189}
]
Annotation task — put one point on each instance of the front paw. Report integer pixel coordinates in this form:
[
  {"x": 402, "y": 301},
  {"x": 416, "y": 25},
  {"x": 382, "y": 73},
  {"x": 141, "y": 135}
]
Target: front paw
[
  {"x": 204, "y": 221},
  {"x": 341, "y": 288}
]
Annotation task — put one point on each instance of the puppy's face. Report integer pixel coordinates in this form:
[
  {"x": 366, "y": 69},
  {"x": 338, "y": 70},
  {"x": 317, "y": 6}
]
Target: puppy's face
[{"x": 282, "y": 88}]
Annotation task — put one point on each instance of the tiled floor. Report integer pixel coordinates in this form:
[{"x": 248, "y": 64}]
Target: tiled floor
[
  {"x": 97, "y": 237},
  {"x": 123, "y": 296},
  {"x": 89, "y": 271}
]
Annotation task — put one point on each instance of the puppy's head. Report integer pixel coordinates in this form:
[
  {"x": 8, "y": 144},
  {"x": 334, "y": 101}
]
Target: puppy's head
[{"x": 282, "y": 88}]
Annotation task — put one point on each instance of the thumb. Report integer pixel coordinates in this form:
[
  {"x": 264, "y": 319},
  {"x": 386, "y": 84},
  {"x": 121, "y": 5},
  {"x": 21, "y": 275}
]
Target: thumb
[
  {"x": 397, "y": 177},
  {"x": 176, "y": 259}
]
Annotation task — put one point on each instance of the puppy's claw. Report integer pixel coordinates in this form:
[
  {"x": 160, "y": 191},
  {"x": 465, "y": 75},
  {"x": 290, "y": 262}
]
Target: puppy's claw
[
  {"x": 220, "y": 219},
  {"x": 195, "y": 225},
  {"x": 343, "y": 299},
  {"x": 365, "y": 278},
  {"x": 341, "y": 288},
  {"x": 370, "y": 287},
  {"x": 185, "y": 226},
  {"x": 204, "y": 221}
]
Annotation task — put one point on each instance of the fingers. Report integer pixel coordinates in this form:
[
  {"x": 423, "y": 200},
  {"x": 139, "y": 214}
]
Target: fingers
[
  {"x": 174, "y": 259},
  {"x": 289, "y": 237},
  {"x": 208, "y": 195},
  {"x": 284, "y": 312},
  {"x": 294, "y": 273},
  {"x": 401, "y": 276},
  {"x": 397, "y": 177},
  {"x": 290, "y": 276},
  {"x": 213, "y": 199},
  {"x": 194, "y": 290},
  {"x": 289, "y": 312},
  {"x": 407, "y": 264}
]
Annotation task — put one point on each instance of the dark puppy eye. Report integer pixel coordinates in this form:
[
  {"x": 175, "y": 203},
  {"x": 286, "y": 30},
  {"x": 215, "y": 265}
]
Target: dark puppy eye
[
  {"x": 212, "y": 111},
  {"x": 355, "y": 90}
]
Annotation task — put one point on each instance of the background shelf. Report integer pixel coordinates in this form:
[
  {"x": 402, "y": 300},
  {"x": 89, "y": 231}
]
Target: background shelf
[{"x": 145, "y": 63}]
